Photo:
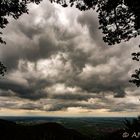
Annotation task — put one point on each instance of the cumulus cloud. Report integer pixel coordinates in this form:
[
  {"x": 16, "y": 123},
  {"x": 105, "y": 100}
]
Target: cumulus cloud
[{"x": 57, "y": 60}]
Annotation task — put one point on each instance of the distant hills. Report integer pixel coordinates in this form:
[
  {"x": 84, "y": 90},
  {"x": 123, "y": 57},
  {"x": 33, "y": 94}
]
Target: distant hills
[
  {"x": 84, "y": 129},
  {"x": 46, "y": 131}
]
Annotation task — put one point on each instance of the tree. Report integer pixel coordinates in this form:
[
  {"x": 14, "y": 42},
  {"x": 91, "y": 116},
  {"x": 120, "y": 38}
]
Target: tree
[
  {"x": 133, "y": 127},
  {"x": 118, "y": 19},
  {"x": 135, "y": 78},
  {"x": 2, "y": 69}
]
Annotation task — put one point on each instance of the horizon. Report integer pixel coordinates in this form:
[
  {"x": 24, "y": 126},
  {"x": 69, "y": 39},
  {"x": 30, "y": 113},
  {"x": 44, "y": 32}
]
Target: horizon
[{"x": 70, "y": 116}]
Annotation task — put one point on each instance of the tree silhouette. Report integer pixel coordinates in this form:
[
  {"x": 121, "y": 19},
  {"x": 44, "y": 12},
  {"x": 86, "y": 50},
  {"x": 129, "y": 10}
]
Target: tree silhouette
[
  {"x": 2, "y": 69},
  {"x": 133, "y": 125},
  {"x": 118, "y": 19},
  {"x": 135, "y": 78}
]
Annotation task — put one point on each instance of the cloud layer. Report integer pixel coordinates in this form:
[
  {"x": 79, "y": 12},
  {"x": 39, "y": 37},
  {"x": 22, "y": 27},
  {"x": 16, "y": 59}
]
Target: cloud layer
[{"x": 57, "y": 60}]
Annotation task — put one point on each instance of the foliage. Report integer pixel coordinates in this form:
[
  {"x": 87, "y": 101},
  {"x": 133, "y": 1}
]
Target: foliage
[
  {"x": 132, "y": 126},
  {"x": 118, "y": 19},
  {"x": 2, "y": 69},
  {"x": 135, "y": 78}
]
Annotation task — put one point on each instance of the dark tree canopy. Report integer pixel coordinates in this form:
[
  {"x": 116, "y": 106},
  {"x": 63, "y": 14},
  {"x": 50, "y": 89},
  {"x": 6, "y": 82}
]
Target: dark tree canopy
[
  {"x": 119, "y": 19},
  {"x": 135, "y": 78},
  {"x": 2, "y": 69}
]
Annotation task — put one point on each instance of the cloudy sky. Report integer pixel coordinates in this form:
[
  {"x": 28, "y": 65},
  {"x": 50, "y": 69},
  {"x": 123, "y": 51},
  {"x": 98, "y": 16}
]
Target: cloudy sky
[{"x": 58, "y": 65}]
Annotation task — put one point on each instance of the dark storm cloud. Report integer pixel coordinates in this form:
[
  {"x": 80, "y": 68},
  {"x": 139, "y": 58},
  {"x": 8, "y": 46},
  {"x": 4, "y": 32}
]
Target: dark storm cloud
[
  {"x": 110, "y": 81},
  {"x": 63, "y": 105},
  {"x": 52, "y": 58},
  {"x": 30, "y": 106},
  {"x": 13, "y": 88},
  {"x": 37, "y": 37},
  {"x": 13, "y": 103},
  {"x": 26, "y": 40},
  {"x": 31, "y": 31},
  {"x": 130, "y": 107},
  {"x": 31, "y": 51},
  {"x": 8, "y": 105},
  {"x": 68, "y": 96},
  {"x": 90, "y": 20}
]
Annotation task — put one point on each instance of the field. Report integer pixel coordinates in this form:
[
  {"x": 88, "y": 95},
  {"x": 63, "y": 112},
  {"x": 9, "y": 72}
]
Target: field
[{"x": 95, "y": 127}]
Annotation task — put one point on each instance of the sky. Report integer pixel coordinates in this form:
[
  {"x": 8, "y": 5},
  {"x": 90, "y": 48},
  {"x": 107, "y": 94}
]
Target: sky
[{"x": 58, "y": 65}]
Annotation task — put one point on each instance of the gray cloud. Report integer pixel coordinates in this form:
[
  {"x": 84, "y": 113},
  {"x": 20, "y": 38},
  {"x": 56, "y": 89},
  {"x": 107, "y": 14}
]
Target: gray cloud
[{"x": 50, "y": 56}]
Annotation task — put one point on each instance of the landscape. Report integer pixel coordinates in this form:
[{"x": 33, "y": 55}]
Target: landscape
[
  {"x": 59, "y": 128},
  {"x": 69, "y": 69}
]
